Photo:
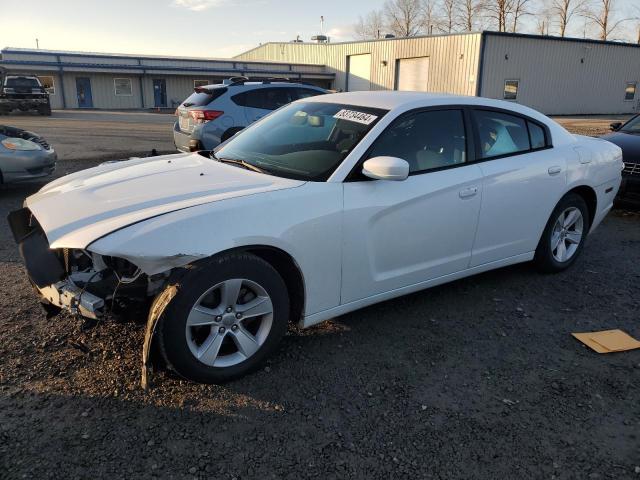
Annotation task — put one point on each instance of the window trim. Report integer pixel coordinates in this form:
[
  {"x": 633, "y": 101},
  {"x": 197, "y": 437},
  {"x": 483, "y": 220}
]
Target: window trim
[
  {"x": 476, "y": 135},
  {"x": 504, "y": 90},
  {"x": 53, "y": 83},
  {"x": 115, "y": 89},
  {"x": 355, "y": 175},
  {"x": 635, "y": 91}
]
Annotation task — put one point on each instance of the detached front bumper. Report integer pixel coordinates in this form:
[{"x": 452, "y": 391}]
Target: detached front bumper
[{"x": 46, "y": 269}]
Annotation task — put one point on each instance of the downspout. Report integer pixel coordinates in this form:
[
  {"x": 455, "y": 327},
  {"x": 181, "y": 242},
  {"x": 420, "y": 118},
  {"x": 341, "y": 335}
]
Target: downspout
[
  {"x": 483, "y": 42},
  {"x": 141, "y": 84},
  {"x": 60, "y": 69}
]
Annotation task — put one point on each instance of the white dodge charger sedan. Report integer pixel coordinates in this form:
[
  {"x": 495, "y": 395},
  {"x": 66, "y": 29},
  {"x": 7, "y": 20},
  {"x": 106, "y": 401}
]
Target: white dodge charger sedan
[{"x": 325, "y": 206}]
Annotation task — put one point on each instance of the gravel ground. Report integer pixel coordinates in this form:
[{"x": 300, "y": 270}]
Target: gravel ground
[{"x": 479, "y": 378}]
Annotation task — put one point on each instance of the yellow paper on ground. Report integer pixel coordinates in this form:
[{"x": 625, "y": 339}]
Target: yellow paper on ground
[{"x": 608, "y": 341}]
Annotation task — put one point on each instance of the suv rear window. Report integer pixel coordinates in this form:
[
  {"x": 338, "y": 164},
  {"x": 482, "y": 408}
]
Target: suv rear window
[
  {"x": 22, "y": 82},
  {"x": 203, "y": 96}
]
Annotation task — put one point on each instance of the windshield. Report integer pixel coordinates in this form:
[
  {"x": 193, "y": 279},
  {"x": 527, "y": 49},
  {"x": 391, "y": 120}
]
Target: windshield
[
  {"x": 304, "y": 141},
  {"x": 22, "y": 82},
  {"x": 632, "y": 126}
]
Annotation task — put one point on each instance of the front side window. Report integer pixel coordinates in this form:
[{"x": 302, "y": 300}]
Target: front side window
[
  {"x": 123, "y": 87},
  {"x": 511, "y": 89},
  {"x": 47, "y": 83},
  {"x": 501, "y": 134},
  {"x": 630, "y": 91},
  {"x": 426, "y": 140},
  {"x": 305, "y": 141}
]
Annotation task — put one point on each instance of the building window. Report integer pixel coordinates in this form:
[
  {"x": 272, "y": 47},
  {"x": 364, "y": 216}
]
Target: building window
[
  {"x": 47, "y": 83},
  {"x": 201, "y": 83},
  {"x": 630, "y": 91},
  {"x": 511, "y": 89},
  {"x": 123, "y": 87}
]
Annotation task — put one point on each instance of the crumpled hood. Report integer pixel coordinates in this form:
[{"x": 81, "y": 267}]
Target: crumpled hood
[{"x": 77, "y": 209}]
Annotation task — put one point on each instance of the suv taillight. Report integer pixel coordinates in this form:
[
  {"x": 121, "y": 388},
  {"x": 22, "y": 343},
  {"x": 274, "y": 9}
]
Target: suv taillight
[{"x": 204, "y": 116}]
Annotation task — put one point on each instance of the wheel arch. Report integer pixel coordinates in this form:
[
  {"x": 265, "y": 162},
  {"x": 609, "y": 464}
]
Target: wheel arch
[
  {"x": 286, "y": 266},
  {"x": 590, "y": 197}
]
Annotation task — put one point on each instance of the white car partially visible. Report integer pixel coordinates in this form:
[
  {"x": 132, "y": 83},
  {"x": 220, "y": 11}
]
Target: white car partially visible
[{"x": 325, "y": 206}]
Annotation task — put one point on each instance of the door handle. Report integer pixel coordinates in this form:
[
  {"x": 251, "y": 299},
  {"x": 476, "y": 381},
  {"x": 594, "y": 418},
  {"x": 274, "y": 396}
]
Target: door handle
[
  {"x": 554, "y": 170},
  {"x": 468, "y": 192}
]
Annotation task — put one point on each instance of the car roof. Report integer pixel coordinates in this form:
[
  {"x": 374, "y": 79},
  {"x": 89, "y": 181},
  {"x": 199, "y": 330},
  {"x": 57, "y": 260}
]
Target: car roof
[{"x": 403, "y": 101}]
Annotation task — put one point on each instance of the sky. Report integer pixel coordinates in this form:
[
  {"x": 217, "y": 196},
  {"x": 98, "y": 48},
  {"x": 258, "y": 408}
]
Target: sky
[{"x": 198, "y": 28}]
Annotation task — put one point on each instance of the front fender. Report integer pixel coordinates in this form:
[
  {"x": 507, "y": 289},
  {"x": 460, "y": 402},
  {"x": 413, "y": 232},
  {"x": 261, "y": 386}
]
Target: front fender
[{"x": 304, "y": 222}]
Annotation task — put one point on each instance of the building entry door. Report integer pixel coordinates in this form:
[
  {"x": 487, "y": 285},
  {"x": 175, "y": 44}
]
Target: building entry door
[
  {"x": 159, "y": 92},
  {"x": 83, "y": 89}
]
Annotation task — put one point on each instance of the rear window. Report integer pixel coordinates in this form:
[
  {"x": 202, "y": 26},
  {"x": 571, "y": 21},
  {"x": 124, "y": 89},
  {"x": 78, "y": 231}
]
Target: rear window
[
  {"x": 203, "y": 96},
  {"x": 22, "y": 82}
]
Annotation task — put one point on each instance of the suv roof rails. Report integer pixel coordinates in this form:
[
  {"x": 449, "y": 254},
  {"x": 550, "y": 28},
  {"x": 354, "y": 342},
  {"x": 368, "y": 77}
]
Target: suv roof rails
[{"x": 233, "y": 81}]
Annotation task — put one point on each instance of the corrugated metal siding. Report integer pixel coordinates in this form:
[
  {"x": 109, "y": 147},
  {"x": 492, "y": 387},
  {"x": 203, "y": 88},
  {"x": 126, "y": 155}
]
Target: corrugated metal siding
[
  {"x": 553, "y": 79},
  {"x": 453, "y": 59}
]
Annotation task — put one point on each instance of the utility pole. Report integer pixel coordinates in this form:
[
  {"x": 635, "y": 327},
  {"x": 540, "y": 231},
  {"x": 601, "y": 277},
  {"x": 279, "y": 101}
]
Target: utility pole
[{"x": 37, "y": 44}]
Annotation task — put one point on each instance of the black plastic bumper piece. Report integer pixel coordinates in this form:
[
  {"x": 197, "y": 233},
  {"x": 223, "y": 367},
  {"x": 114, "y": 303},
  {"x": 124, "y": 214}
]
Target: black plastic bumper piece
[{"x": 43, "y": 265}]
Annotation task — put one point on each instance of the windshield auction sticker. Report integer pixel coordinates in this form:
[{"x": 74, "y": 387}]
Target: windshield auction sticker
[{"x": 353, "y": 116}]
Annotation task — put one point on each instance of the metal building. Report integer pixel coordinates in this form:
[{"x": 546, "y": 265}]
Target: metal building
[
  {"x": 557, "y": 76},
  {"x": 98, "y": 80}
]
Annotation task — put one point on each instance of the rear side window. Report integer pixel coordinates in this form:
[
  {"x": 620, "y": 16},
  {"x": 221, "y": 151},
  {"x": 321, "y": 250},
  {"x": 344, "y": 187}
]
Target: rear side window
[
  {"x": 501, "y": 134},
  {"x": 537, "y": 135},
  {"x": 265, "y": 98},
  {"x": 203, "y": 96}
]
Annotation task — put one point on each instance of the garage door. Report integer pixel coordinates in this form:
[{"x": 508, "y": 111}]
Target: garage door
[
  {"x": 359, "y": 75},
  {"x": 413, "y": 74}
]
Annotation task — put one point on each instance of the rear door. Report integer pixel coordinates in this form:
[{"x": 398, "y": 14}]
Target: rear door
[{"x": 524, "y": 178}]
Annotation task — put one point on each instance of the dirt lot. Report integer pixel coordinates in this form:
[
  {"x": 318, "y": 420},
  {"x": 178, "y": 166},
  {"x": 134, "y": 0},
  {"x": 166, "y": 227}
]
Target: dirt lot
[{"x": 476, "y": 379}]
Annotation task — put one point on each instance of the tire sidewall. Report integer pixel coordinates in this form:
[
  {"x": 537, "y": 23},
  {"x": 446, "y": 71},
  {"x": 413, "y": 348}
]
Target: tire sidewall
[{"x": 193, "y": 285}]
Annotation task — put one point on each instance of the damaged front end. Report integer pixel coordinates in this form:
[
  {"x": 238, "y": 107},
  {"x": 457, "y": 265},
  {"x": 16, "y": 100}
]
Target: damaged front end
[{"x": 77, "y": 280}]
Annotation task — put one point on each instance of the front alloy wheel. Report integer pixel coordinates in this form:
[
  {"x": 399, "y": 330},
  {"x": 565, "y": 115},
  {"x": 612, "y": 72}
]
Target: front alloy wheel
[
  {"x": 230, "y": 312},
  {"x": 229, "y": 323}
]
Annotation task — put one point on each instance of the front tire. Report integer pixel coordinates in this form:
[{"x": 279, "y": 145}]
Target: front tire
[
  {"x": 564, "y": 235},
  {"x": 229, "y": 314}
]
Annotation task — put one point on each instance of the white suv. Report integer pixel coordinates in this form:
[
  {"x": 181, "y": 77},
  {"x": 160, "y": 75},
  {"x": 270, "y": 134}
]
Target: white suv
[{"x": 214, "y": 113}]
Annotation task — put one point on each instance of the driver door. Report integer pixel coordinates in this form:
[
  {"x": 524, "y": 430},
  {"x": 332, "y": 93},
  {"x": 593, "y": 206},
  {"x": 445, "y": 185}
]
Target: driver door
[{"x": 398, "y": 234}]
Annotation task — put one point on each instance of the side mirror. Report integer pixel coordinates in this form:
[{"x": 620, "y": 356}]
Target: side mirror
[
  {"x": 386, "y": 168},
  {"x": 615, "y": 126}
]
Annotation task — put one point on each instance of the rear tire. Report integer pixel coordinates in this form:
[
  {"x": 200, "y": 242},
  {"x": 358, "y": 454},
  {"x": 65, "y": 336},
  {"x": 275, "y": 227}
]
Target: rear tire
[
  {"x": 564, "y": 235},
  {"x": 229, "y": 314}
]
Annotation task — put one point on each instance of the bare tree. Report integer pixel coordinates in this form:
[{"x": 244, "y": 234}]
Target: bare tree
[
  {"x": 542, "y": 25},
  {"x": 602, "y": 14},
  {"x": 469, "y": 13},
  {"x": 499, "y": 11},
  {"x": 520, "y": 8},
  {"x": 449, "y": 15},
  {"x": 404, "y": 17},
  {"x": 564, "y": 10},
  {"x": 370, "y": 26},
  {"x": 430, "y": 19}
]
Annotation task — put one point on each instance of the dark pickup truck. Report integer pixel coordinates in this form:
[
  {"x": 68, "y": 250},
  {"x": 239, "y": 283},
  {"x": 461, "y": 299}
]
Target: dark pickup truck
[{"x": 23, "y": 92}]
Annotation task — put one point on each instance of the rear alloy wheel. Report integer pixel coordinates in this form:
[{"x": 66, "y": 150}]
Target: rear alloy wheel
[
  {"x": 227, "y": 316},
  {"x": 564, "y": 235}
]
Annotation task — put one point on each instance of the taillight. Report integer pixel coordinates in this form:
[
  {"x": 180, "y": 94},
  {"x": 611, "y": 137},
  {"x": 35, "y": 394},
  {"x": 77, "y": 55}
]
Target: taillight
[{"x": 204, "y": 116}]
